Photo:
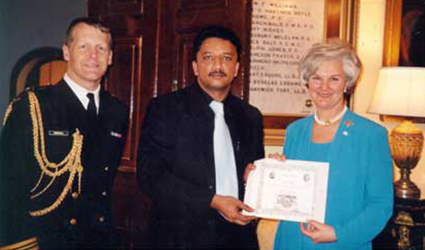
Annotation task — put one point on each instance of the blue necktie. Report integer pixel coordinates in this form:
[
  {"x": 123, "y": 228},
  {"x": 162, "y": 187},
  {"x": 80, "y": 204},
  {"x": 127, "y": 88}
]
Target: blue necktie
[{"x": 224, "y": 158}]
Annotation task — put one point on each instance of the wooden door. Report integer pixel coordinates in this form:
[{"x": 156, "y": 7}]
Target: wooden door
[
  {"x": 180, "y": 21},
  {"x": 131, "y": 79}
]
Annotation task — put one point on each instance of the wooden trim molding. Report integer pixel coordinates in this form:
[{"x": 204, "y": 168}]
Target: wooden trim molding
[
  {"x": 274, "y": 137},
  {"x": 393, "y": 13}
]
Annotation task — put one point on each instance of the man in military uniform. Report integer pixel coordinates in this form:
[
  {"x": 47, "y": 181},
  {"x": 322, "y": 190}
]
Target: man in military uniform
[{"x": 59, "y": 152}]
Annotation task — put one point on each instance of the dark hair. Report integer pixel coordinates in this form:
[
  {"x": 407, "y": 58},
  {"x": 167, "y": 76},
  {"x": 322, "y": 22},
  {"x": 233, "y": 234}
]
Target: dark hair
[
  {"x": 216, "y": 32},
  {"x": 91, "y": 22}
]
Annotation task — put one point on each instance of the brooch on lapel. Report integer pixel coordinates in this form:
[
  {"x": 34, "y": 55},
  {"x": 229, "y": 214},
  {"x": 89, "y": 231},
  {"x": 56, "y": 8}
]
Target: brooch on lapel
[{"x": 348, "y": 124}]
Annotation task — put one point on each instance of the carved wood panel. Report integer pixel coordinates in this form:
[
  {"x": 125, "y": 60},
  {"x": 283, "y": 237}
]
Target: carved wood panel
[
  {"x": 184, "y": 19},
  {"x": 124, "y": 82},
  {"x": 159, "y": 63},
  {"x": 97, "y": 7}
]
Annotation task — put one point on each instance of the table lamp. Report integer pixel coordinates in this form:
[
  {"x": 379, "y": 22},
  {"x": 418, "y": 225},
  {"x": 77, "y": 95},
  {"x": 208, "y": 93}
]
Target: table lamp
[{"x": 401, "y": 92}]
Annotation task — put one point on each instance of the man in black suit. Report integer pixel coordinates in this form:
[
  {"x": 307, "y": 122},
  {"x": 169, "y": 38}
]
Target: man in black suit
[
  {"x": 59, "y": 152},
  {"x": 196, "y": 197}
]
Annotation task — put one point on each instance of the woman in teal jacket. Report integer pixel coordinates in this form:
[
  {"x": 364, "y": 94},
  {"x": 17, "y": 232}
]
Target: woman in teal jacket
[{"x": 360, "y": 192}]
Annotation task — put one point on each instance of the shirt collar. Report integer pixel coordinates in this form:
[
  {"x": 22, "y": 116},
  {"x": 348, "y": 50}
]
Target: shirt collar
[
  {"x": 208, "y": 98},
  {"x": 81, "y": 92}
]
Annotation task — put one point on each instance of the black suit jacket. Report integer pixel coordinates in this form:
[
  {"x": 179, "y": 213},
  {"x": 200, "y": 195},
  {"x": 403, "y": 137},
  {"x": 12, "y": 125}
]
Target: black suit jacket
[
  {"x": 176, "y": 167},
  {"x": 62, "y": 114}
]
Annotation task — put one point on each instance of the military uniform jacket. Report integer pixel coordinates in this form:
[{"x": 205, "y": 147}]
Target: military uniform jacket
[
  {"x": 176, "y": 166},
  {"x": 81, "y": 220}
]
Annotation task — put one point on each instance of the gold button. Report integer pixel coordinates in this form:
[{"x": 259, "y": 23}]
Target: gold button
[
  {"x": 73, "y": 221},
  {"x": 104, "y": 193},
  {"x": 101, "y": 219},
  {"x": 75, "y": 195},
  {"x": 106, "y": 168}
]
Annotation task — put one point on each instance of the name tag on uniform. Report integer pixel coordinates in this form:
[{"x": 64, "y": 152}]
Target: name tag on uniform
[
  {"x": 58, "y": 133},
  {"x": 115, "y": 134}
]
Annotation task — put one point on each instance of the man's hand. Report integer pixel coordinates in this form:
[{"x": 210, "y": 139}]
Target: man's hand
[
  {"x": 250, "y": 166},
  {"x": 318, "y": 232},
  {"x": 248, "y": 170},
  {"x": 231, "y": 208}
]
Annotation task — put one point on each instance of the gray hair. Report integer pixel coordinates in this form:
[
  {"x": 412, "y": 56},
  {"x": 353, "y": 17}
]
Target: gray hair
[{"x": 333, "y": 49}]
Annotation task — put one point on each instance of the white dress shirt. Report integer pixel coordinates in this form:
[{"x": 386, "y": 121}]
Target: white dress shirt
[{"x": 81, "y": 92}]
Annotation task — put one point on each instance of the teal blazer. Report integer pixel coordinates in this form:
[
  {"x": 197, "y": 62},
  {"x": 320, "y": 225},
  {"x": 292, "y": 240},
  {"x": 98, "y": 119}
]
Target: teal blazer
[{"x": 360, "y": 188}]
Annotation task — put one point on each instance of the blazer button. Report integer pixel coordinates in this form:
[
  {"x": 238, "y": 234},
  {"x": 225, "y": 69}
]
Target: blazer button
[
  {"x": 106, "y": 169},
  {"x": 210, "y": 187},
  {"x": 75, "y": 195},
  {"x": 101, "y": 219},
  {"x": 73, "y": 221},
  {"x": 104, "y": 193}
]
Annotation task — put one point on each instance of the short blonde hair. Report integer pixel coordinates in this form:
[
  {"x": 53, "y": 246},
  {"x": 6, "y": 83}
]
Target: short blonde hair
[{"x": 333, "y": 49}]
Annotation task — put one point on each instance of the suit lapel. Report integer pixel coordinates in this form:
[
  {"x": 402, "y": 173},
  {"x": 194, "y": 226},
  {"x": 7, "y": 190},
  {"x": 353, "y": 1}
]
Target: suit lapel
[
  {"x": 69, "y": 107},
  {"x": 202, "y": 118},
  {"x": 104, "y": 126},
  {"x": 103, "y": 112}
]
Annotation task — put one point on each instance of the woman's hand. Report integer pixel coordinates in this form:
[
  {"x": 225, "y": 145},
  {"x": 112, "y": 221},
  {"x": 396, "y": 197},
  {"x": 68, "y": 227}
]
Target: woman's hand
[
  {"x": 318, "y": 232},
  {"x": 277, "y": 156}
]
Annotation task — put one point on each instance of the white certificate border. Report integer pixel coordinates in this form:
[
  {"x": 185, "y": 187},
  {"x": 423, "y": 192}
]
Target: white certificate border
[{"x": 321, "y": 170}]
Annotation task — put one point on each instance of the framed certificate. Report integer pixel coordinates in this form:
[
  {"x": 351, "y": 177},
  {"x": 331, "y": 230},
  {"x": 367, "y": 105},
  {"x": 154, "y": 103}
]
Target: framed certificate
[{"x": 289, "y": 190}]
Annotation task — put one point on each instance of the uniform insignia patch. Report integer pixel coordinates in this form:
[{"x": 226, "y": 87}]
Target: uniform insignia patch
[
  {"x": 58, "y": 133},
  {"x": 115, "y": 134}
]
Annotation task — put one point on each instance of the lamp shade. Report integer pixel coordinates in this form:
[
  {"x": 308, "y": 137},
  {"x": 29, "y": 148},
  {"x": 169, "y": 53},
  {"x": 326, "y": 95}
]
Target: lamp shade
[{"x": 400, "y": 92}]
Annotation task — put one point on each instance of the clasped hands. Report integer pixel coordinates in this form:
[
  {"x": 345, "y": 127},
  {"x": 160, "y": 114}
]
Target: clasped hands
[{"x": 318, "y": 232}]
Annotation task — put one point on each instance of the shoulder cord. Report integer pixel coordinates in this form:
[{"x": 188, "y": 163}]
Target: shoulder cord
[
  {"x": 71, "y": 163},
  {"x": 8, "y": 111}
]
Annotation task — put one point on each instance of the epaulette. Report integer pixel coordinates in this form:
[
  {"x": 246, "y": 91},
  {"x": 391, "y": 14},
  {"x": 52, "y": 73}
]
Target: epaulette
[
  {"x": 9, "y": 109},
  {"x": 18, "y": 98}
]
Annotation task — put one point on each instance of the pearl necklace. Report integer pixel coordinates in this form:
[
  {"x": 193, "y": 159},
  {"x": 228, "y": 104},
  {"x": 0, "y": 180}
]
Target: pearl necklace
[{"x": 329, "y": 122}]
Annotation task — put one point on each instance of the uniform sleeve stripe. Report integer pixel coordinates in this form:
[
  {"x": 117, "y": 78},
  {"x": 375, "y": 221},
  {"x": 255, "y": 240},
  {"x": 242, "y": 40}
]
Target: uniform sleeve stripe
[{"x": 30, "y": 244}]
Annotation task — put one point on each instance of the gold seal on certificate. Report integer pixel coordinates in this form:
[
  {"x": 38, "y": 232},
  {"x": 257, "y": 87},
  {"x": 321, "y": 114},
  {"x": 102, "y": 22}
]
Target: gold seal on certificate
[{"x": 288, "y": 190}]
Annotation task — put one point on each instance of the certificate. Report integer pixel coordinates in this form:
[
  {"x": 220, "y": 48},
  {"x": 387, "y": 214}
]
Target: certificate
[{"x": 290, "y": 190}]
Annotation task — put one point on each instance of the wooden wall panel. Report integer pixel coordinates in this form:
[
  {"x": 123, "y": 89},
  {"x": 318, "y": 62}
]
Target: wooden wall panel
[
  {"x": 180, "y": 22},
  {"x": 124, "y": 82},
  {"x": 183, "y": 70},
  {"x": 153, "y": 56}
]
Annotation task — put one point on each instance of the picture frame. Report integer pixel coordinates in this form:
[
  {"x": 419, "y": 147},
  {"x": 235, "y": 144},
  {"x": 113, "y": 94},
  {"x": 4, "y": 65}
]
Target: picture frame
[
  {"x": 400, "y": 19},
  {"x": 340, "y": 21}
]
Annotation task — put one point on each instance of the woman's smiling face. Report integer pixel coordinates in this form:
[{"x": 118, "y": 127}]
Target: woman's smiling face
[{"x": 326, "y": 86}]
